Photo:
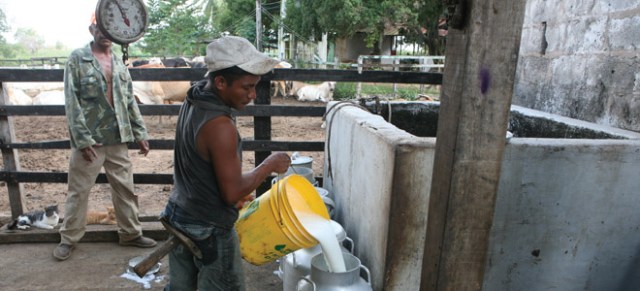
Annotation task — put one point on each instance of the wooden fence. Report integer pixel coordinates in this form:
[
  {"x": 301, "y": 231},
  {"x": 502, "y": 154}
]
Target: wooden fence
[{"x": 262, "y": 112}]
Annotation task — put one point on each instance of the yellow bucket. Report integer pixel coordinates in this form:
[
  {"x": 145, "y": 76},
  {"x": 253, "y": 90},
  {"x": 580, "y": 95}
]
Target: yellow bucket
[{"x": 268, "y": 227}]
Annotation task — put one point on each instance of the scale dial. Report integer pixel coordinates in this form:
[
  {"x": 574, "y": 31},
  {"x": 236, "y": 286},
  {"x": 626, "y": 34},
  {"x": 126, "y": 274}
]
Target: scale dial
[{"x": 122, "y": 21}]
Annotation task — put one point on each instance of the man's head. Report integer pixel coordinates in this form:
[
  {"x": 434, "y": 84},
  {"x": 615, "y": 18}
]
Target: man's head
[
  {"x": 98, "y": 38},
  {"x": 229, "y": 51},
  {"x": 234, "y": 69}
]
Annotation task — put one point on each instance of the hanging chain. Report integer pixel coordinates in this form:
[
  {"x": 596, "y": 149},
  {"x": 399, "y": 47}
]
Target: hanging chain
[{"x": 125, "y": 53}]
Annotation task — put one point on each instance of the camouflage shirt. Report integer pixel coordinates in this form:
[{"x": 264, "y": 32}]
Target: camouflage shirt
[{"x": 90, "y": 117}]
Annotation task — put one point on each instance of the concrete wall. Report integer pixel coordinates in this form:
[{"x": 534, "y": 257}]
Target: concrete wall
[
  {"x": 579, "y": 58},
  {"x": 566, "y": 216},
  {"x": 380, "y": 179},
  {"x": 566, "y": 212}
]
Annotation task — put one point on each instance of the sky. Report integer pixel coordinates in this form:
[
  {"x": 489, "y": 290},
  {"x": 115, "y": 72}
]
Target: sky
[{"x": 66, "y": 21}]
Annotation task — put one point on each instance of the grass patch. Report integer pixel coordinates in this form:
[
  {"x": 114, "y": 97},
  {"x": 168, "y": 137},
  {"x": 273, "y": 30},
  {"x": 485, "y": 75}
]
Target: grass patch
[{"x": 410, "y": 92}]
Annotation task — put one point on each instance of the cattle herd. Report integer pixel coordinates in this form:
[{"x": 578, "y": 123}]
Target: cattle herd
[{"x": 160, "y": 92}]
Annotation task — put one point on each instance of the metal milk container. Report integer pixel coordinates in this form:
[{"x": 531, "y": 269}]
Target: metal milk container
[
  {"x": 331, "y": 205},
  {"x": 321, "y": 279},
  {"x": 301, "y": 161},
  {"x": 296, "y": 265}
]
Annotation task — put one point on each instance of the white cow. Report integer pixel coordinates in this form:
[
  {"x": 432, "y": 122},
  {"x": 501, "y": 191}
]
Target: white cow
[
  {"x": 54, "y": 97},
  {"x": 322, "y": 92},
  {"x": 15, "y": 96},
  {"x": 34, "y": 88}
]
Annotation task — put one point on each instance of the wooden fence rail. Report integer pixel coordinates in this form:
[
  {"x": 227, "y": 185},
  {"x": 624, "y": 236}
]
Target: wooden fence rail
[{"x": 262, "y": 112}]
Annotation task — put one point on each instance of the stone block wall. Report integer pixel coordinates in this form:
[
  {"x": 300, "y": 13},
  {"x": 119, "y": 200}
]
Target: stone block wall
[{"x": 579, "y": 58}]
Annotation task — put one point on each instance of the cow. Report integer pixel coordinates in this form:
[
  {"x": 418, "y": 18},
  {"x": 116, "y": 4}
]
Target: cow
[
  {"x": 294, "y": 86},
  {"x": 280, "y": 87},
  {"x": 322, "y": 92},
  {"x": 53, "y": 97},
  {"x": 166, "y": 62},
  {"x": 197, "y": 62},
  {"x": 175, "y": 63},
  {"x": 148, "y": 92},
  {"x": 34, "y": 88},
  {"x": 15, "y": 96},
  {"x": 160, "y": 92}
]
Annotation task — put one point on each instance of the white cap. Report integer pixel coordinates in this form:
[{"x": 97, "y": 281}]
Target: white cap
[{"x": 229, "y": 51}]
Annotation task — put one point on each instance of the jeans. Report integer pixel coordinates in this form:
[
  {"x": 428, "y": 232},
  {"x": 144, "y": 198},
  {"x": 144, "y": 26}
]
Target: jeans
[{"x": 221, "y": 265}]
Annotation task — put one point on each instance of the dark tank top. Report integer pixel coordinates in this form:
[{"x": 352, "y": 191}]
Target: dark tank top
[{"x": 196, "y": 189}]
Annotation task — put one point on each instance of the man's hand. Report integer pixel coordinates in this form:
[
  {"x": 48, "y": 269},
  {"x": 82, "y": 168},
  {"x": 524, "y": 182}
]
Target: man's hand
[
  {"x": 144, "y": 147},
  {"x": 244, "y": 201},
  {"x": 89, "y": 154},
  {"x": 278, "y": 162}
]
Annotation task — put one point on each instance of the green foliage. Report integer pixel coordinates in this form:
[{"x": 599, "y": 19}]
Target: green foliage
[
  {"x": 184, "y": 28},
  {"x": 45, "y": 52},
  {"x": 343, "y": 18},
  {"x": 432, "y": 12},
  {"x": 28, "y": 44},
  {"x": 344, "y": 91},
  {"x": 29, "y": 39},
  {"x": 239, "y": 18},
  {"x": 176, "y": 29},
  {"x": 4, "y": 27},
  {"x": 348, "y": 91},
  {"x": 5, "y": 48},
  {"x": 210, "y": 8}
]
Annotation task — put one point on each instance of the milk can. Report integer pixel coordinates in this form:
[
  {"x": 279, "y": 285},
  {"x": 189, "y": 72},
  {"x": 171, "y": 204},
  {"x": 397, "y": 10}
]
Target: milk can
[
  {"x": 296, "y": 265},
  {"x": 301, "y": 161},
  {"x": 307, "y": 173},
  {"x": 331, "y": 205},
  {"x": 320, "y": 279},
  {"x": 323, "y": 192}
]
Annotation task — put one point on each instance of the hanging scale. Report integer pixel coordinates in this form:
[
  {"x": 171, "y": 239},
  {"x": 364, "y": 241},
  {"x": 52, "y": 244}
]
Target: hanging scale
[{"x": 122, "y": 21}]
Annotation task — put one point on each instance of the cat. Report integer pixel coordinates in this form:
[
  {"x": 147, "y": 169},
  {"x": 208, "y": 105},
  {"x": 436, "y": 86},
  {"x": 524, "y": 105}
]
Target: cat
[
  {"x": 102, "y": 217},
  {"x": 47, "y": 219}
]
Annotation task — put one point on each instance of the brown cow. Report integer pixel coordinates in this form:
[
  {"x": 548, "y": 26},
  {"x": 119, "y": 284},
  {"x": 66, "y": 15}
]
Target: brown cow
[
  {"x": 160, "y": 92},
  {"x": 280, "y": 87}
]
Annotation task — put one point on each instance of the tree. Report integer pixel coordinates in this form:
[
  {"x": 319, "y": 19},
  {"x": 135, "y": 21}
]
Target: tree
[
  {"x": 433, "y": 20},
  {"x": 5, "y": 48},
  {"x": 210, "y": 8},
  {"x": 238, "y": 17},
  {"x": 344, "y": 18},
  {"x": 29, "y": 39},
  {"x": 176, "y": 28}
]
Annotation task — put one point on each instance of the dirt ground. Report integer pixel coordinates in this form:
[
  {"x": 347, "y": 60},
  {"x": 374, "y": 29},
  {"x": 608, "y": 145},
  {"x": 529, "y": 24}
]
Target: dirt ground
[{"x": 100, "y": 266}]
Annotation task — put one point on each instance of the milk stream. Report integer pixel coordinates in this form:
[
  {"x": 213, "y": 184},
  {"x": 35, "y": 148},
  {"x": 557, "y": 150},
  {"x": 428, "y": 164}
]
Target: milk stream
[{"x": 320, "y": 228}]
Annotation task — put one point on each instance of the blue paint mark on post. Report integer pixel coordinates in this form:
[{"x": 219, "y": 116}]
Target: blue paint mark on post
[{"x": 485, "y": 80}]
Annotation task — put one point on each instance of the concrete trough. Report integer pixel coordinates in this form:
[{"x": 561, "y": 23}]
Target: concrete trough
[{"x": 566, "y": 213}]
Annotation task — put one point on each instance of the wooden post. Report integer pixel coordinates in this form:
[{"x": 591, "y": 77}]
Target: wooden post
[
  {"x": 482, "y": 51},
  {"x": 281, "y": 43},
  {"x": 258, "y": 25},
  {"x": 262, "y": 128},
  {"x": 10, "y": 157}
]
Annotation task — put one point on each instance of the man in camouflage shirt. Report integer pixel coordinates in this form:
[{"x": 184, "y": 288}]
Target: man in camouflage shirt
[{"x": 103, "y": 117}]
